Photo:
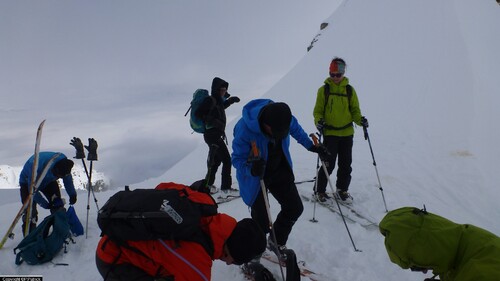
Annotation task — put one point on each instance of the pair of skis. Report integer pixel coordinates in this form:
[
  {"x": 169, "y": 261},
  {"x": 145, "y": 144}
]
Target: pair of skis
[
  {"x": 349, "y": 211},
  {"x": 35, "y": 182}
]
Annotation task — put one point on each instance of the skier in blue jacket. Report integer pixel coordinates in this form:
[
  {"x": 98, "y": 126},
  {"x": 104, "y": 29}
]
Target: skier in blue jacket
[
  {"x": 269, "y": 125},
  {"x": 60, "y": 168}
]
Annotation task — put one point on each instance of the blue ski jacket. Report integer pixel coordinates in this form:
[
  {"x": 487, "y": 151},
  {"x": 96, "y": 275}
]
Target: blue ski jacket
[
  {"x": 246, "y": 131},
  {"x": 25, "y": 176}
]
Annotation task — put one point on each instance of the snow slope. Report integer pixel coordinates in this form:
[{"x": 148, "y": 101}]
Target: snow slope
[{"x": 425, "y": 73}]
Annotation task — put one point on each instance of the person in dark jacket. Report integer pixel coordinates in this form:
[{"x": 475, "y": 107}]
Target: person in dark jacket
[
  {"x": 212, "y": 112},
  {"x": 269, "y": 126},
  {"x": 60, "y": 169},
  {"x": 233, "y": 243}
]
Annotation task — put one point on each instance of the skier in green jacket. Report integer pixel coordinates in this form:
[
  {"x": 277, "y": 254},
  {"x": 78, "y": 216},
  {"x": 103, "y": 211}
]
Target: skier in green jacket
[
  {"x": 336, "y": 108},
  {"x": 421, "y": 241}
]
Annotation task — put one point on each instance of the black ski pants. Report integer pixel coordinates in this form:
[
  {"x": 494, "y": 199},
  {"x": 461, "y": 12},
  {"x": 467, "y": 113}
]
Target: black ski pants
[
  {"x": 50, "y": 190},
  {"x": 214, "y": 136},
  {"x": 281, "y": 185},
  {"x": 341, "y": 148}
]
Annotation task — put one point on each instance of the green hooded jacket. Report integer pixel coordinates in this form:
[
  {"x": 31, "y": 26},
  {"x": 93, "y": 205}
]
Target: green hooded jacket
[
  {"x": 455, "y": 252},
  {"x": 337, "y": 112}
]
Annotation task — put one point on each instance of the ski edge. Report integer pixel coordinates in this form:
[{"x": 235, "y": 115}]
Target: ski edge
[{"x": 34, "y": 171}]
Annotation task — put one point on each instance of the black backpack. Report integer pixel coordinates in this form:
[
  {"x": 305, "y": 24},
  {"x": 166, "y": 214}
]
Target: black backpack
[{"x": 172, "y": 213}]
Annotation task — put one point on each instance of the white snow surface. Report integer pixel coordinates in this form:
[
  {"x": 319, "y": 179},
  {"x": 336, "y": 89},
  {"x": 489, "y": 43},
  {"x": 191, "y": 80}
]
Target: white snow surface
[{"x": 426, "y": 74}]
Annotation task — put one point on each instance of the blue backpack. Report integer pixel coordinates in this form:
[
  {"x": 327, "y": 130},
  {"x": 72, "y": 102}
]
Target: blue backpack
[
  {"x": 43, "y": 243},
  {"x": 197, "y": 124}
]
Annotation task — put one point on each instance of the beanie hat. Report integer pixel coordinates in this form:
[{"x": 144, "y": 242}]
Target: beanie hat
[
  {"x": 277, "y": 116},
  {"x": 246, "y": 241},
  {"x": 63, "y": 167},
  {"x": 337, "y": 66}
]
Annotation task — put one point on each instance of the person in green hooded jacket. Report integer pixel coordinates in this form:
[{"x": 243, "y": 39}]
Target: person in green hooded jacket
[
  {"x": 418, "y": 240},
  {"x": 336, "y": 108}
]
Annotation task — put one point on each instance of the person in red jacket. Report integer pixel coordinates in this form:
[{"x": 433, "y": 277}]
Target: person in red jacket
[{"x": 154, "y": 260}]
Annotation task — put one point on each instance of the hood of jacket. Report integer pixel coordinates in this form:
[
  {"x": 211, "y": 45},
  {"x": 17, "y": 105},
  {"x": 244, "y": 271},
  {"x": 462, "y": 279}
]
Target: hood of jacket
[
  {"x": 458, "y": 252},
  {"x": 251, "y": 114},
  {"x": 217, "y": 84}
]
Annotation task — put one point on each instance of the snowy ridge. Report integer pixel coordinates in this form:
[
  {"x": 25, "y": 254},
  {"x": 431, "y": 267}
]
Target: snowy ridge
[
  {"x": 426, "y": 76},
  {"x": 9, "y": 177}
]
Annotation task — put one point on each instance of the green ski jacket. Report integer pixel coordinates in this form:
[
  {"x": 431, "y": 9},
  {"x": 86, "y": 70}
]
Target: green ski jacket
[
  {"x": 455, "y": 252},
  {"x": 337, "y": 112}
]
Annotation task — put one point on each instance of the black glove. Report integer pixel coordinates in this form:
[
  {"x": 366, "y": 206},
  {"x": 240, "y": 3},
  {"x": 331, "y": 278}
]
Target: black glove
[
  {"x": 92, "y": 149},
  {"x": 232, "y": 100},
  {"x": 364, "y": 122},
  {"x": 322, "y": 151},
  {"x": 258, "y": 168},
  {"x": 72, "y": 200},
  {"x": 320, "y": 126},
  {"x": 77, "y": 143}
]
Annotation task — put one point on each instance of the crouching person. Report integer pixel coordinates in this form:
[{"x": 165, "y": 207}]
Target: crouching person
[
  {"x": 421, "y": 241},
  {"x": 49, "y": 187},
  {"x": 234, "y": 242}
]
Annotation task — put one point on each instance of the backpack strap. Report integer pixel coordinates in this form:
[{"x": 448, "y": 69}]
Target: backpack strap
[
  {"x": 210, "y": 110},
  {"x": 326, "y": 92}
]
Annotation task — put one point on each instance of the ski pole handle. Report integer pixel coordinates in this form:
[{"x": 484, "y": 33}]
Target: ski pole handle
[
  {"x": 315, "y": 139},
  {"x": 255, "y": 150},
  {"x": 365, "y": 131}
]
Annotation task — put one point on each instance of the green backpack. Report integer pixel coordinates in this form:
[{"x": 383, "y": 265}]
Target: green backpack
[
  {"x": 43, "y": 243},
  {"x": 197, "y": 124}
]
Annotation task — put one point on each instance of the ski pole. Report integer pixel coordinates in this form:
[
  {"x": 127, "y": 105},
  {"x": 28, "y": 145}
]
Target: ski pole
[
  {"x": 316, "y": 187},
  {"x": 92, "y": 155},
  {"x": 185, "y": 114},
  {"x": 316, "y": 142},
  {"x": 367, "y": 137},
  {"x": 89, "y": 186},
  {"x": 92, "y": 187},
  {"x": 255, "y": 152},
  {"x": 89, "y": 179}
]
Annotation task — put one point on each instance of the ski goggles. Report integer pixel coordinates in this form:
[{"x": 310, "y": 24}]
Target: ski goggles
[{"x": 338, "y": 75}]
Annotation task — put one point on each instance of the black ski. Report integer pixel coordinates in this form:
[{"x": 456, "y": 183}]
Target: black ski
[
  {"x": 292, "y": 265},
  {"x": 305, "y": 181},
  {"x": 255, "y": 271}
]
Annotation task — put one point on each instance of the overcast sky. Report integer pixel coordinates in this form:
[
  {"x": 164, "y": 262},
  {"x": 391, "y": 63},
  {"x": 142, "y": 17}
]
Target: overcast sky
[
  {"x": 123, "y": 72},
  {"x": 430, "y": 91}
]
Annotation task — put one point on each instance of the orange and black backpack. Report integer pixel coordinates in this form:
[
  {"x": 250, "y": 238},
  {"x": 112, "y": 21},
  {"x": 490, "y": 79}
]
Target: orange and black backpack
[{"x": 171, "y": 211}]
